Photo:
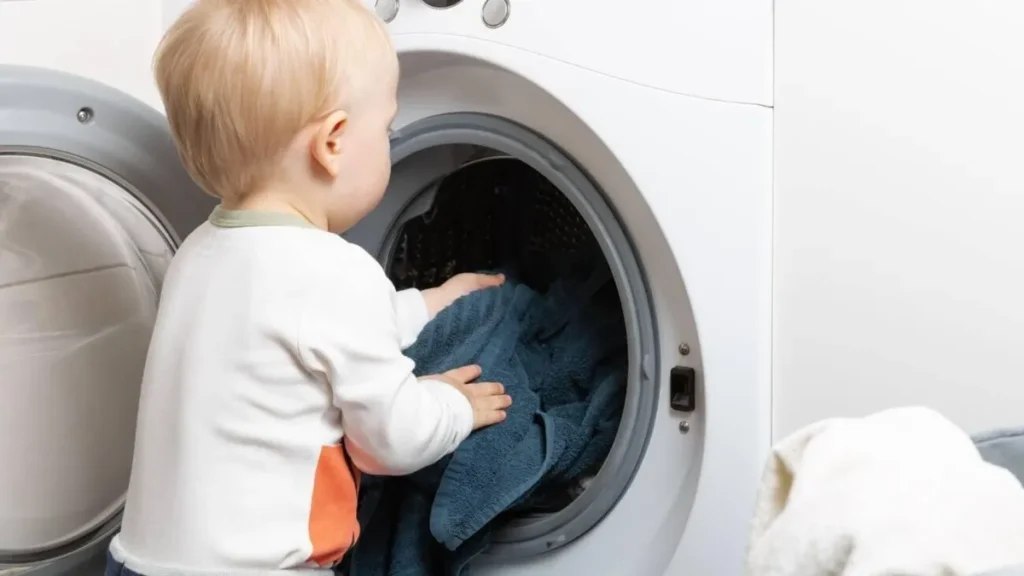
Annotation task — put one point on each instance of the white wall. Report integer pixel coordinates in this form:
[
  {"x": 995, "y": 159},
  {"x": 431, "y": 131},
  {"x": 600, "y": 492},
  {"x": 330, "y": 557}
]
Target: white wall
[
  {"x": 108, "y": 40},
  {"x": 172, "y": 9},
  {"x": 899, "y": 209}
]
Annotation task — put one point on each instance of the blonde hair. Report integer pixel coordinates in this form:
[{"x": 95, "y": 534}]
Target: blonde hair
[{"x": 240, "y": 78}]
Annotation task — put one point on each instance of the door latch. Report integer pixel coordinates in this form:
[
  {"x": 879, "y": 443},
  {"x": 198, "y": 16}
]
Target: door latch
[{"x": 682, "y": 383}]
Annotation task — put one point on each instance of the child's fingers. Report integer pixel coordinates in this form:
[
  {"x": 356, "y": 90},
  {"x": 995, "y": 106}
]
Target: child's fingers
[
  {"x": 471, "y": 281},
  {"x": 464, "y": 374},
  {"x": 488, "y": 418},
  {"x": 489, "y": 280},
  {"x": 480, "y": 389},
  {"x": 487, "y": 403},
  {"x": 489, "y": 410}
]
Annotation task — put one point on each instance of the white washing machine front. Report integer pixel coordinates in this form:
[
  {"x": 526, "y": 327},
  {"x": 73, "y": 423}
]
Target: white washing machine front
[
  {"x": 667, "y": 109},
  {"x": 688, "y": 182},
  {"x": 715, "y": 49},
  {"x": 656, "y": 125}
]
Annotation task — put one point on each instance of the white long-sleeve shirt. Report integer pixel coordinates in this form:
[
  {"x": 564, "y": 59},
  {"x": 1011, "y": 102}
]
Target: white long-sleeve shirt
[{"x": 274, "y": 342}]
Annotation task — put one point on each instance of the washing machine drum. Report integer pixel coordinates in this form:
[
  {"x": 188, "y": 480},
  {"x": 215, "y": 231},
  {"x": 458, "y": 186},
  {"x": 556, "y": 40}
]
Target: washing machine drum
[{"x": 494, "y": 213}]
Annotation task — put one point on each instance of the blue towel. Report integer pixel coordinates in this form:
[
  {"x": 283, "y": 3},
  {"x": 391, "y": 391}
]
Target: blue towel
[{"x": 561, "y": 356}]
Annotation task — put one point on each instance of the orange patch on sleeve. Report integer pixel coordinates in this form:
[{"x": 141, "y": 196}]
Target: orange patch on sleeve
[{"x": 333, "y": 526}]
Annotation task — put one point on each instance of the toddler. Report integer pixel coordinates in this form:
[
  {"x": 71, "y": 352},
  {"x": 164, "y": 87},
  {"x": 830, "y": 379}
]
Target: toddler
[{"x": 275, "y": 371}]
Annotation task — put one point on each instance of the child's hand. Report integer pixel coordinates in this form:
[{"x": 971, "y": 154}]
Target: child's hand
[
  {"x": 456, "y": 287},
  {"x": 488, "y": 399}
]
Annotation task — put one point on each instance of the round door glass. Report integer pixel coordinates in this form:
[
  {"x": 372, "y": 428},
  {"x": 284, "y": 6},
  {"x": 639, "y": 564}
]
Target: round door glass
[{"x": 81, "y": 263}]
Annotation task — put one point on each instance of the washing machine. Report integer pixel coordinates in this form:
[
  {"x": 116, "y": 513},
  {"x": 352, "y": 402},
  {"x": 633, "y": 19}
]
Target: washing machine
[{"x": 645, "y": 128}]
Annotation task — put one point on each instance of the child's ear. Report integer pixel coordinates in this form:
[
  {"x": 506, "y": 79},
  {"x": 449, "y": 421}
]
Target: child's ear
[{"x": 326, "y": 144}]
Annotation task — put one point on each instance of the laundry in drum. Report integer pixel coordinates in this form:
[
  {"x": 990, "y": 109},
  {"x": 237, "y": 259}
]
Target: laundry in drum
[{"x": 553, "y": 334}]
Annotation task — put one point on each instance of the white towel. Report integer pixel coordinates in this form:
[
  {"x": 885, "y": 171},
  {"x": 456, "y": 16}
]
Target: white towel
[{"x": 900, "y": 492}]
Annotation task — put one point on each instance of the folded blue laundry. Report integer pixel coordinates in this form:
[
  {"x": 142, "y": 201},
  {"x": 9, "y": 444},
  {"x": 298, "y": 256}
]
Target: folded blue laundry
[{"x": 561, "y": 356}]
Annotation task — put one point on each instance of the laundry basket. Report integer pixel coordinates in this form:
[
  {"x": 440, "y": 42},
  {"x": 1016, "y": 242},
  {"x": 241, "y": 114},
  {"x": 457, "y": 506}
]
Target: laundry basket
[{"x": 495, "y": 213}]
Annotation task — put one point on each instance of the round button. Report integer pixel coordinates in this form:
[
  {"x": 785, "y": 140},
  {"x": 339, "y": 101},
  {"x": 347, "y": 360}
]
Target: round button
[
  {"x": 386, "y": 9},
  {"x": 495, "y": 13}
]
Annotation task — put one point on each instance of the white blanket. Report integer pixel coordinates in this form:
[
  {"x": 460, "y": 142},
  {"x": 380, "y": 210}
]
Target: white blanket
[{"x": 901, "y": 492}]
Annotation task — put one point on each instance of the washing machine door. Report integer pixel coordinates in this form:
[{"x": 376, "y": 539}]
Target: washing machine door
[{"x": 93, "y": 202}]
